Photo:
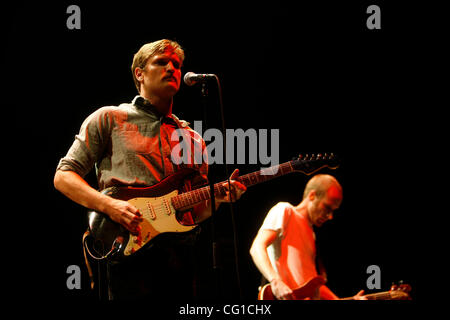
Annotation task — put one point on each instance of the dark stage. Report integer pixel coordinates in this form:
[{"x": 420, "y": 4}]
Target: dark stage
[{"x": 315, "y": 72}]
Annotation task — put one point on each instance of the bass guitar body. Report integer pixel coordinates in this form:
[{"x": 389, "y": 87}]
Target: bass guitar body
[{"x": 308, "y": 291}]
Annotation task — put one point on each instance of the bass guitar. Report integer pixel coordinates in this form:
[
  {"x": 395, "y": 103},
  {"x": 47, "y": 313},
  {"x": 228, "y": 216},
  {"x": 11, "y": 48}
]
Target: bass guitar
[
  {"x": 159, "y": 204},
  {"x": 310, "y": 290}
]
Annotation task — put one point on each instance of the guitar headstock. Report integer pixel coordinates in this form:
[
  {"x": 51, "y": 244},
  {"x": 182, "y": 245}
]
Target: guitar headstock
[
  {"x": 400, "y": 291},
  {"x": 309, "y": 164}
]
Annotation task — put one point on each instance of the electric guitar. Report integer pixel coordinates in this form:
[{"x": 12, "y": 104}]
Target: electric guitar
[
  {"x": 310, "y": 290},
  {"x": 159, "y": 204}
]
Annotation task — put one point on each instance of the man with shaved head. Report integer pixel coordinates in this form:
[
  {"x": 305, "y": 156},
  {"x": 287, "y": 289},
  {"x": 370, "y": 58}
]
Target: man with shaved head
[{"x": 284, "y": 249}]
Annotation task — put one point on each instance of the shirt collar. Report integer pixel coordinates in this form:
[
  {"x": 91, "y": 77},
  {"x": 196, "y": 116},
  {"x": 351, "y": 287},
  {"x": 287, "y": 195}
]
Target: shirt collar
[{"x": 143, "y": 104}]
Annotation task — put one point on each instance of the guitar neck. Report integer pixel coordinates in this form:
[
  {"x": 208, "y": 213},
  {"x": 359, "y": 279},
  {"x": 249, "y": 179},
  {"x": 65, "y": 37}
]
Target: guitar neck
[
  {"x": 266, "y": 174},
  {"x": 193, "y": 197},
  {"x": 386, "y": 295}
]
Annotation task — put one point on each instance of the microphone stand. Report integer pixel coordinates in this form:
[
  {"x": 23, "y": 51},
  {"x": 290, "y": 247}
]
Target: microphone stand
[
  {"x": 213, "y": 206},
  {"x": 216, "y": 268},
  {"x": 236, "y": 256}
]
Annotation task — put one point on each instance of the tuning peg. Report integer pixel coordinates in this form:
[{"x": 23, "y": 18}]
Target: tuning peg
[{"x": 394, "y": 286}]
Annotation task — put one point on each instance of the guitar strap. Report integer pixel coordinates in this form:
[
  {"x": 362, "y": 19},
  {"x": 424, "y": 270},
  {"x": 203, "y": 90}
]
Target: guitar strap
[{"x": 86, "y": 260}]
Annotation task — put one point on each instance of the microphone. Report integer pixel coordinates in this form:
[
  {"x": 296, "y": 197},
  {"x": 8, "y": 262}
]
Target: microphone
[{"x": 191, "y": 78}]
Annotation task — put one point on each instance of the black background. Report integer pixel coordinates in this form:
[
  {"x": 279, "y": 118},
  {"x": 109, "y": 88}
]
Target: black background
[{"x": 312, "y": 70}]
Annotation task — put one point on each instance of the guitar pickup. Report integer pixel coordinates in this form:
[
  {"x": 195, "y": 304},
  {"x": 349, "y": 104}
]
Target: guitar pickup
[
  {"x": 151, "y": 211},
  {"x": 167, "y": 206}
]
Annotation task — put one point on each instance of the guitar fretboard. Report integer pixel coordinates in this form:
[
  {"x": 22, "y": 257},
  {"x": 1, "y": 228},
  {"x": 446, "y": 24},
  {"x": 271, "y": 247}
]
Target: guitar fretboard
[
  {"x": 375, "y": 296},
  {"x": 193, "y": 197}
]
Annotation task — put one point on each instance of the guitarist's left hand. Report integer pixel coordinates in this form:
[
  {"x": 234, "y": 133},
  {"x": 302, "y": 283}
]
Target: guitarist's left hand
[
  {"x": 360, "y": 296},
  {"x": 237, "y": 189},
  {"x": 203, "y": 210}
]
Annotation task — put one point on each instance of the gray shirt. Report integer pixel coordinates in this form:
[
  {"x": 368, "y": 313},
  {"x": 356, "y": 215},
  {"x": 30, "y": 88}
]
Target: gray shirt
[{"x": 133, "y": 144}]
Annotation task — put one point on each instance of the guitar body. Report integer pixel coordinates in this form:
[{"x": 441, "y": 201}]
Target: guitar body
[
  {"x": 154, "y": 204},
  {"x": 308, "y": 290}
]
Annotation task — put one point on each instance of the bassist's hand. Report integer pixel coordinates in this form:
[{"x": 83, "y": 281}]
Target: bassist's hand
[
  {"x": 124, "y": 213},
  {"x": 280, "y": 290},
  {"x": 360, "y": 296}
]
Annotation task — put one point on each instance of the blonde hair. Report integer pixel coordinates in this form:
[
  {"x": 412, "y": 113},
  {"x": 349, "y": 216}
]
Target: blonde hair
[{"x": 148, "y": 50}]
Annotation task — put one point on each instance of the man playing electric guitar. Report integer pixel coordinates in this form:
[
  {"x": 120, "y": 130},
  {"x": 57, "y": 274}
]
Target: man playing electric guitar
[
  {"x": 284, "y": 249},
  {"x": 131, "y": 145}
]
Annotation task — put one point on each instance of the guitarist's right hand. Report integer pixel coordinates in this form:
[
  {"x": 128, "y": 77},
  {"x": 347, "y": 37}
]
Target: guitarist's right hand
[
  {"x": 124, "y": 213},
  {"x": 76, "y": 188},
  {"x": 280, "y": 290}
]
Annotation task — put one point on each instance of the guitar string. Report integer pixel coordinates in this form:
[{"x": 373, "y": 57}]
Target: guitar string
[{"x": 190, "y": 198}]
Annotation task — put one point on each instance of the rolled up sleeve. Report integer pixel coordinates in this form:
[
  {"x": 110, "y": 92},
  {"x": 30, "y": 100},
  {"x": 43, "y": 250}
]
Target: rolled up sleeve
[{"x": 89, "y": 144}]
